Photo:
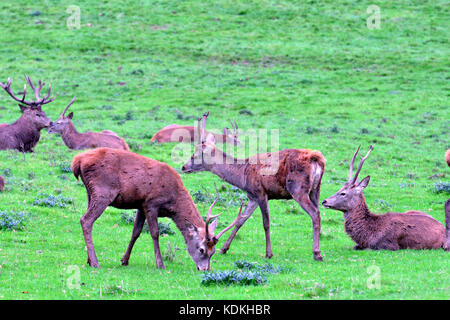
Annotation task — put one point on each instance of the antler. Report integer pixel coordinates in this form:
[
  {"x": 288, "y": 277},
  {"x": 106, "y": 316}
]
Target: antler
[
  {"x": 232, "y": 224},
  {"x": 64, "y": 112},
  {"x": 34, "y": 104},
  {"x": 360, "y": 163},
  {"x": 210, "y": 217},
  {"x": 203, "y": 134},
  {"x": 350, "y": 174},
  {"x": 235, "y": 126}
]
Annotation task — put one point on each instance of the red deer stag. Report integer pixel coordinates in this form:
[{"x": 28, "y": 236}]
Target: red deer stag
[
  {"x": 298, "y": 177},
  {"x": 24, "y": 134},
  {"x": 176, "y": 133},
  {"x": 88, "y": 140},
  {"x": 126, "y": 180},
  {"x": 390, "y": 231}
]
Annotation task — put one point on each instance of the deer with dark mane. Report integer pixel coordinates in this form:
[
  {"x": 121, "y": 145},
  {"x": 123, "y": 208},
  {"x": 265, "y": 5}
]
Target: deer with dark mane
[
  {"x": 177, "y": 133},
  {"x": 390, "y": 231},
  {"x": 127, "y": 180},
  {"x": 24, "y": 134},
  {"x": 88, "y": 140},
  {"x": 287, "y": 174}
]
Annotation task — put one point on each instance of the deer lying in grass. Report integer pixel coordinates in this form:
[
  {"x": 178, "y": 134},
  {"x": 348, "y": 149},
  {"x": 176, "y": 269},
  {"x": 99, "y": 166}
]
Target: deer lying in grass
[
  {"x": 176, "y": 133},
  {"x": 88, "y": 140},
  {"x": 126, "y": 180},
  {"x": 390, "y": 231},
  {"x": 298, "y": 177},
  {"x": 24, "y": 134}
]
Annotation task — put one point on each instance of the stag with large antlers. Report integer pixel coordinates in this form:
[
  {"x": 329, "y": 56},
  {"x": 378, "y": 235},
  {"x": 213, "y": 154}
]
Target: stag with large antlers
[
  {"x": 24, "y": 134},
  {"x": 390, "y": 231},
  {"x": 88, "y": 140},
  {"x": 287, "y": 174},
  {"x": 177, "y": 133},
  {"x": 126, "y": 180}
]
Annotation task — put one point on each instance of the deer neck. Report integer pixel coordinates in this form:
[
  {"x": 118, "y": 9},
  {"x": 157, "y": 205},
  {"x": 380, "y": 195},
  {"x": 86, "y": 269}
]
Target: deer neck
[
  {"x": 71, "y": 136},
  {"x": 186, "y": 215},
  {"x": 27, "y": 133},
  {"x": 229, "y": 169},
  {"x": 360, "y": 223}
]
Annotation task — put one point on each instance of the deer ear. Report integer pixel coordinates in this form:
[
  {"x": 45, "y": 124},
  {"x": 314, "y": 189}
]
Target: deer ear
[
  {"x": 210, "y": 139},
  {"x": 364, "y": 183},
  {"x": 70, "y": 116},
  {"x": 212, "y": 227}
]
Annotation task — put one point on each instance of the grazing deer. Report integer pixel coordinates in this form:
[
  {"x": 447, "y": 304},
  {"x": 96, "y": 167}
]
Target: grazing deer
[
  {"x": 24, "y": 134},
  {"x": 126, "y": 180},
  {"x": 298, "y": 177},
  {"x": 390, "y": 231},
  {"x": 2, "y": 183},
  {"x": 176, "y": 133},
  {"x": 88, "y": 140}
]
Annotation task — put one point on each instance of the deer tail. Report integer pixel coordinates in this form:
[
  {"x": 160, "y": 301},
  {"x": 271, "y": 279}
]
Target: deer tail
[{"x": 76, "y": 166}]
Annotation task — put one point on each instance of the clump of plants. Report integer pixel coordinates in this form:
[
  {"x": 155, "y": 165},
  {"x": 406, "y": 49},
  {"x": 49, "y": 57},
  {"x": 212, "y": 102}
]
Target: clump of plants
[
  {"x": 164, "y": 228},
  {"x": 440, "y": 187},
  {"x": 226, "y": 196},
  {"x": 48, "y": 200},
  {"x": 230, "y": 277},
  {"x": 247, "y": 273},
  {"x": 11, "y": 220}
]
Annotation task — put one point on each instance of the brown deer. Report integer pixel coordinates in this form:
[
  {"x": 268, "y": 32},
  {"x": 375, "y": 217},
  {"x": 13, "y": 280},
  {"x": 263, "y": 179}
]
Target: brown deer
[
  {"x": 24, "y": 134},
  {"x": 298, "y": 177},
  {"x": 176, "y": 133},
  {"x": 126, "y": 180},
  {"x": 390, "y": 231},
  {"x": 2, "y": 183},
  {"x": 88, "y": 140}
]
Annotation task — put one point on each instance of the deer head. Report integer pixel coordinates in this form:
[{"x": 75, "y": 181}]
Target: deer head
[
  {"x": 201, "y": 243},
  {"x": 205, "y": 153},
  {"x": 351, "y": 193},
  {"x": 61, "y": 124},
  {"x": 32, "y": 110}
]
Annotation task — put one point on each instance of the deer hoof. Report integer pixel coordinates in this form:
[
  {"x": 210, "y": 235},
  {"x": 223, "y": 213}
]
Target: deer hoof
[
  {"x": 318, "y": 257},
  {"x": 269, "y": 255},
  {"x": 124, "y": 262},
  {"x": 223, "y": 250}
]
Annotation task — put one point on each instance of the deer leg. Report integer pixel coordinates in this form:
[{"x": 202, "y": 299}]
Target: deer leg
[
  {"x": 152, "y": 220},
  {"x": 137, "y": 229},
  {"x": 305, "y": 202},
  {"x": 249, "y": 209},
  {"x": 94, "y": 211},
  {"x": 264, "y": 206}
]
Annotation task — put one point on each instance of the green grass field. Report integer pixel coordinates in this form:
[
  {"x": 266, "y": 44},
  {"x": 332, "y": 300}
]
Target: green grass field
[{"x": 311, "y": 69}]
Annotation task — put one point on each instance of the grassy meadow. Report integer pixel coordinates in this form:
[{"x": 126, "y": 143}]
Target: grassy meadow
[{"x": 312, "y": 70}]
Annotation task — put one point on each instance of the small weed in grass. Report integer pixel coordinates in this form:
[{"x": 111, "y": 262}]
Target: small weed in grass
[
  {"x": 230, "y": 277},
  {"x": 10, "y": 220},
  {"x": 164, "y": 228},
  {"x": 48, "y": 200},
  {"x": 248, "y": 273},
  {"x": 440, "y": 187}
]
